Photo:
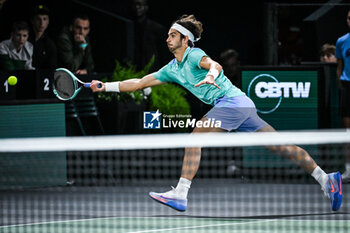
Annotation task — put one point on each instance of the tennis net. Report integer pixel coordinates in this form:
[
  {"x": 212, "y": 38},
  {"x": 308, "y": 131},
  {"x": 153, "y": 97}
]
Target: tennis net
[{"x": 102, "y": 184}]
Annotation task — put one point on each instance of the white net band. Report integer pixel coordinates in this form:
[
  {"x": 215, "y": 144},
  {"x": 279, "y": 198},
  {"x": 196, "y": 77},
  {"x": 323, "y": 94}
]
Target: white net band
[{"x": 163, "y": 141}]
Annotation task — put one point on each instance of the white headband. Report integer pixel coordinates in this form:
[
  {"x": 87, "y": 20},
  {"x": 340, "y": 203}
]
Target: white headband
[{"x": 184, "y": 31}]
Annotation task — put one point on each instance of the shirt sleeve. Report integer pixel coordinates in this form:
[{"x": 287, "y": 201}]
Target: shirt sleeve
[
  {"x": 338, "y": 52},
  {"x": 195, "y": 57},
  {"x": 163, "y": 74},
  {"x": 28, "y": 61},
  {"x": 3, "y": 49}
]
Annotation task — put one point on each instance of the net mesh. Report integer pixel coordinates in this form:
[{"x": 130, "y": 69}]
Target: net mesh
[
  {"x": 50, "y": 185},
  {"x": 63, "y": 84}
]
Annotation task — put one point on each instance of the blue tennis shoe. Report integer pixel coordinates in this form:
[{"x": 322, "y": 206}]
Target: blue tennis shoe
[
  {"x": 334, "y": 190},
  {"x": 170, "y": 199}
]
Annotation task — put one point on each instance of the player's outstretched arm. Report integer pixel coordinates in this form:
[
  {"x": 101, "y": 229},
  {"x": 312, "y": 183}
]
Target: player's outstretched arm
[
  {"x": 214, "y": 71},
  {"x": 129, "y": 85}
]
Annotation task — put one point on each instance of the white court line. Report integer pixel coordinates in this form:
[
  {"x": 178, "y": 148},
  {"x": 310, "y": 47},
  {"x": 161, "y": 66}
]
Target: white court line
[
  {"x": 202, "y": 226},
  {"x": 53, "y": 222},
  {"x": 156, "y": 230},
  {"x": 68, "y": 221},
  {"x": 80, "y": 220},
  {"x": 91, "y": 219}
]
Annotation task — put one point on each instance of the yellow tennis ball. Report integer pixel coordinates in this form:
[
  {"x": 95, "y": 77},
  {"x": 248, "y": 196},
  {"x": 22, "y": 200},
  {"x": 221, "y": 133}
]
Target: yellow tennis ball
[{"x": 12, "y": 80}]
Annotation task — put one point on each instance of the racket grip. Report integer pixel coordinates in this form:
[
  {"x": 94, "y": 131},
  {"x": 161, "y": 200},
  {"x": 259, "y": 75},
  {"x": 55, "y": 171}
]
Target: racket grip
[{"x": 99, "y": 85}]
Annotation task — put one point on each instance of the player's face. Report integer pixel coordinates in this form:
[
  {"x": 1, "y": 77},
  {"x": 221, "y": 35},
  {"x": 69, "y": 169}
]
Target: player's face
[
  {"x": 19, "y": 38},
  {"x": 81, "y": 27},
  {"x": 40, "y": 23},
  {"x": 174, "y": 41},
  {"x": 348, "y": 19}
]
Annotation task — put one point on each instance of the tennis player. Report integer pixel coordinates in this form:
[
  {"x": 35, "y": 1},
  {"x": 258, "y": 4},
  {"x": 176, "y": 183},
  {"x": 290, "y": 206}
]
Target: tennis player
[{"x": 197, "y": 72}]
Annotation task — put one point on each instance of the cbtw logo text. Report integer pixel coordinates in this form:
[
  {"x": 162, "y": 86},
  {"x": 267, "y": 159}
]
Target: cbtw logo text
[
  {"x": 275, "y": 89},
  {"x": 267, "y": 87}
]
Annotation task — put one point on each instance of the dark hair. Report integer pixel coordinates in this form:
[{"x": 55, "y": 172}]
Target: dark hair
[
  {"x": 39, "y": 10},
  {"x": 192, "y": 24},
  {"x": 229, "y": 53},
  {"x": 327, "y": 49},
  {"x": 20, "y": 25},
  {"x": 80, "y": 16}
]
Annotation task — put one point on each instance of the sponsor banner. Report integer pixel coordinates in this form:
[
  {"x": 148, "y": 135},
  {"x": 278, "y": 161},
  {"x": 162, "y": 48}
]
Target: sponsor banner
[{"x": 287, "y": 99}]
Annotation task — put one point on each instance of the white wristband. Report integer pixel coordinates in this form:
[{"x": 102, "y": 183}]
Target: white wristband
[
  {"x": 214, "y": 73},
  {"x": 112, "y": 87}
]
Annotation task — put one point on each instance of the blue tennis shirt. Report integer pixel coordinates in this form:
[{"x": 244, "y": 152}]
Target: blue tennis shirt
[
  {"x": 342, "y": 51},
  {"x": 188, "y": 73}
]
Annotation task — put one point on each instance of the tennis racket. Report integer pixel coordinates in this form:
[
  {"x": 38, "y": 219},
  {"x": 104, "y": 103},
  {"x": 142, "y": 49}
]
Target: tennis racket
[{"x": 66, "y": 85}]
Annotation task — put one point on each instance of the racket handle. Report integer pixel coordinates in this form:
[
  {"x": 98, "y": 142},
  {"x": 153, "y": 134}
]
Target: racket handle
[{"x": 99, "y": 85}]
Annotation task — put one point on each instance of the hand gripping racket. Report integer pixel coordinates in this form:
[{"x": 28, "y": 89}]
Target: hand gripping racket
[{"x": 66, "y": 85}]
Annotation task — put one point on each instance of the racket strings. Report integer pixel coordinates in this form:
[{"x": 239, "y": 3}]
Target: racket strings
[{"x": 64, "y": 85}]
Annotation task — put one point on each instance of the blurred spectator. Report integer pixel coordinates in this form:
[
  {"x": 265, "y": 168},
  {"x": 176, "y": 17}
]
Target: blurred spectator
[
  {"x": 327, "y": 53},
  {"x": 290, "y": 40},
  {"x": 150, "y": 38},
  {"x": 2, "y": 2},
  {"x": 342, "y": 53},
  {"x": 16, "y": 53},
  {"x": 5, "y": 26},
  {"x": 73, "y": 46},
  {"x": 44, "y": 54},
  {"x": 230, "y": 63}
]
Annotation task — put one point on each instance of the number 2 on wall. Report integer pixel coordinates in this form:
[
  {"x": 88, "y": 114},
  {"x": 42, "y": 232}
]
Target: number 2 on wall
[{"x": 46, "y": 84}]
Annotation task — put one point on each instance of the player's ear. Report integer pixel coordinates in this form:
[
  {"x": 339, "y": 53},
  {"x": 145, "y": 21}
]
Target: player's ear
[{"x": 185, "y": 39}]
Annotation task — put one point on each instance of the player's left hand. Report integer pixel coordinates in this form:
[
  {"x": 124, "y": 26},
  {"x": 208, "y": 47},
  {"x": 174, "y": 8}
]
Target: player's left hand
[{"x": 209, "y": 79}]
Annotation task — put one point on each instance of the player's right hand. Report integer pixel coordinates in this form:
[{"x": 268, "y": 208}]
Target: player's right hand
[{"x": 95, "y": 88}]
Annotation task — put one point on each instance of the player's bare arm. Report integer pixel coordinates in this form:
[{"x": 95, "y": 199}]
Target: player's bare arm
[
  {"x": 129, "y": 85},
  {"x": 214, "y": 70}
]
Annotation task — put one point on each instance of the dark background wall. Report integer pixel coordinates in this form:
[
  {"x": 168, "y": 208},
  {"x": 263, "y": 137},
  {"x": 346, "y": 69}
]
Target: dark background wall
[{"x": 236, "y": 24}]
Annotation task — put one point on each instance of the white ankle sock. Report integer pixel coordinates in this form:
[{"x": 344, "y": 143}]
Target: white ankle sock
[
  {"x": 347, "y": 167},
  {"x": 182, "y": 187},
  {"x": 346, "y": 173},
  {"x": 320, "y": 176}
]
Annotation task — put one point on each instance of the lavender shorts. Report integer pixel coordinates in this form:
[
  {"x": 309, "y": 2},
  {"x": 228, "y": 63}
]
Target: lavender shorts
[{"x": 236, "y": 113}]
